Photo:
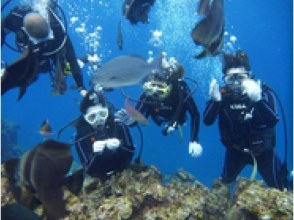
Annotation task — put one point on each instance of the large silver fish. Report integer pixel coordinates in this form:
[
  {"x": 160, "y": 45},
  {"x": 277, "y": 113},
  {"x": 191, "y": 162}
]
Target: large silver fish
[
  {"x": 209, "y": 32},
  {"x": 125, "y": 71}
]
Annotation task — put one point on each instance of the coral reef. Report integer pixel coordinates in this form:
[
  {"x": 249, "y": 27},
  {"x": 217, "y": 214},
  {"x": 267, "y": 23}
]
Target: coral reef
[
  {"x": 138, "y": 193},
  {"x": 9, "y": 147},
  {"x": 267, "y": 203}
]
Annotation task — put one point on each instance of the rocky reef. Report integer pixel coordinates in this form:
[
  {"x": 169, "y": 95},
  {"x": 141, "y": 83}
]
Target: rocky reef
[
  {"x": 139, "y": 193},
  {"x": 9, "y": 140}
]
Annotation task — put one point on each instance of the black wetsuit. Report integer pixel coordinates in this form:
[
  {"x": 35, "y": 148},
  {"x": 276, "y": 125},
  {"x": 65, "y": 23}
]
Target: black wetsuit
[
  {"x": 172, "y": 109},
  {"x": 243, "y": 124},
  {"x": 13, "y": 22},
  {"x": 99, "y": 165}
]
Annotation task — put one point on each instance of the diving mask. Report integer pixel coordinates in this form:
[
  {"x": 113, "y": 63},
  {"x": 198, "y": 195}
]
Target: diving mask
[
  {"x": 96, "y": 115},
  {"x": 235, "y": 76},
  {"x": 159, "y": 90}
]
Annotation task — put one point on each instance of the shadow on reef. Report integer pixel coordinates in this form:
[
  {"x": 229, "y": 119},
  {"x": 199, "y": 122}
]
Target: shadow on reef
[
  {"x": 9, "y": 140},
  {"x": 141, "y": 192}
]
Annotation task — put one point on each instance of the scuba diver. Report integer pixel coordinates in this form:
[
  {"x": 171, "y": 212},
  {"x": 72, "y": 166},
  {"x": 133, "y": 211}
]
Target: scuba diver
[
  {"x": 137, "y": 10},
  {"x": 166, "y": 99},
  {"x": 103, "y": 145},
  {"x": 42, "y": 38},
  {"x": 246, "y": 112}
]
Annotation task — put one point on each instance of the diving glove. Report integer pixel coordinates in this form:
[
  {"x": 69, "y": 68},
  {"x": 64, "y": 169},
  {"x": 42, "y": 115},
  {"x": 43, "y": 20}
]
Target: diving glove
[
  {"x": 98, "y": 146},
  {"x": 112, "y": 143},
  {"x": 83, "y": 92},
  {"x": 214, "y": 91},
  {"x": 253, "y": 89},
  {"x": 123, "y": 117},
  {"x": 169, "y": 128},
  {"x": 195, "y": 149}
]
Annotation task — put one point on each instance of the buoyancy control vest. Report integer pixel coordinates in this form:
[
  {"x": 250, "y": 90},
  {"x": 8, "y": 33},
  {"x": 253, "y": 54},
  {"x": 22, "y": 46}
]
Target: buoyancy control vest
[{"x": 237, "y": 129}]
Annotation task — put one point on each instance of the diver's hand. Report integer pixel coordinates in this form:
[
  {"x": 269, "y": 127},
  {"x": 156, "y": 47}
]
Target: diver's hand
[
  {"x": 214, "y": 92},
  {"x": 169, "y": 129},
  {"x": 83, "y": 92},
  {"x": 98, "y": 146},
  {"x": 252, "y": 89},
  {"x": 112, "y": 143},
  {"x": 81, "y": 63},
  {"x": 2, "y": 72},
  {"x": 123, "y": 117},
  {"x": 195, "y": 149},
  {"x": 3, "y": 67}
]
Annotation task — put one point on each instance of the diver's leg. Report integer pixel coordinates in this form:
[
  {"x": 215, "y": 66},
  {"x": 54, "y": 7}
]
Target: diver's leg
[
  {"x": 233, "y": 165},
  {"x": 269, "y": 167}
]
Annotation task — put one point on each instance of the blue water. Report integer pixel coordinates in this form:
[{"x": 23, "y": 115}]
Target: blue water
[{"x": 262, "y": 28}]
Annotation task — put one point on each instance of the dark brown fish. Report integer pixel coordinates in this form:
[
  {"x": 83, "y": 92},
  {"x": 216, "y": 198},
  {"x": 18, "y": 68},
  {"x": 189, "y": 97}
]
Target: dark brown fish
[
  {"x": 38, "y": 177},
  {"x": 16, "y": 211},
  {"x": 209, "y": 32},
  {"x": 203, "y": 7},
  {"x": 137, "y": 10}
]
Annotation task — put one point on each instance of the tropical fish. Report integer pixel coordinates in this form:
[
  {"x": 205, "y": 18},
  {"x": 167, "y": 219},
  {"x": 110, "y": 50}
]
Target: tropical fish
[
  {"x": 125, "y": 71},
  {"x": 45, "y": 129},
  {"x": 137, "y": 10},
  {"x": 209, "y": 32},
  {"x": 21, "y": 73},
  {"x": 135, "y": 114},
  {"x": 236, "y": 213},
  {"x": 16, "y": 211},
  {"x": 119, "y": 37},
  {"x": 38, "y": 176}
]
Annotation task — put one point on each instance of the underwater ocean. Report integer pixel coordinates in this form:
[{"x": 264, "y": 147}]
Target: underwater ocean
[{"x": 263, "y": 29}]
